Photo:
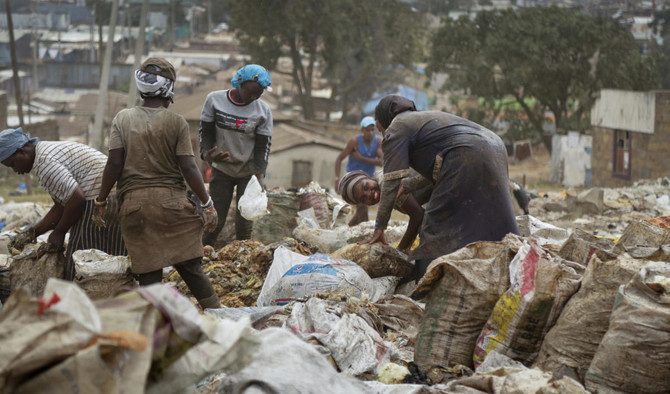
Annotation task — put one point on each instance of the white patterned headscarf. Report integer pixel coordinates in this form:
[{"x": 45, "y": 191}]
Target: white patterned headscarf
[{"x": 153, "y": 85}]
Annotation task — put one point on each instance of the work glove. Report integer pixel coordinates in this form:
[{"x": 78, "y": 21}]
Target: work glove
[
  {"x": 99, "y": 212},
  {"x": 22, "y": 239},
  {"x": 209, "y": 216}
]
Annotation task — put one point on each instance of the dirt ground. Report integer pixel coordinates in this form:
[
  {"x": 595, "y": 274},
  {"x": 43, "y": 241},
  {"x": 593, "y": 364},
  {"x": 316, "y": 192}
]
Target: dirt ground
[{"x": 533, "y": 172}]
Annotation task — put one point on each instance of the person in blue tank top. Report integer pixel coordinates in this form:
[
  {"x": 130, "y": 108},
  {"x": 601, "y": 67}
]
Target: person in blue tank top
[{"x": 365, "y": 152}]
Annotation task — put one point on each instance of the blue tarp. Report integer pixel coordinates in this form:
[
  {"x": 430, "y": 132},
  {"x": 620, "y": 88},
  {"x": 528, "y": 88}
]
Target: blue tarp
[{"x": 419, "y": 97}]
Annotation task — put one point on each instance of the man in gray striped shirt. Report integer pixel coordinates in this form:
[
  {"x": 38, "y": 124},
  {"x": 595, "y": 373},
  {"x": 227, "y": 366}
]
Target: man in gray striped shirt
[{"x": 71, "y": 173}]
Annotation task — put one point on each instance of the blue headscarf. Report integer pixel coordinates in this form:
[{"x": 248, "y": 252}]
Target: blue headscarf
[
  {"x": 11, "y": 140},
  {"x": 252, "y": 72}
]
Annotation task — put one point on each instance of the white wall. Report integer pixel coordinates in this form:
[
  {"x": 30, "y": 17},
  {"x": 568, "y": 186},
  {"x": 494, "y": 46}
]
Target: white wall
[
  {"x": 571, "y": 159},
  {"x": 280, "y": 165},
  {"x": 625, "y": 110}
]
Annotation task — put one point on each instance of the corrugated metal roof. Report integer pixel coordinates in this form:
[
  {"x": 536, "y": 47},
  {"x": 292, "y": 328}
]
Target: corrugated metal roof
[
  {"x": 419, "y": 97},
  {"x": 287, "y": 135}
]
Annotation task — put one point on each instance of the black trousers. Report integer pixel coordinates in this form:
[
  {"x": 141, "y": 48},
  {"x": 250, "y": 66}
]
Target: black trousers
[
  {"x": 221, "y": 188},
  {"x": 195, "y": 278}
]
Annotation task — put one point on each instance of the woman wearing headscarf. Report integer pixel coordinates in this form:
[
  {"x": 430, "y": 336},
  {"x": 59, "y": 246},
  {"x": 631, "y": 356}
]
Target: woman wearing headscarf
[
  {"x": 357, "y": 187},
  {"x": 467, "y": 165},
  {"x": 150, "y": 157},
  {"x": 71, "y": 173},
  {"x": 364, "y": 153},
  {"x": 235, "y": 134}
]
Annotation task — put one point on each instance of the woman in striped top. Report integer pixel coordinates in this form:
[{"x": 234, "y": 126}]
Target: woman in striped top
[{"x": 71, "y": 173}]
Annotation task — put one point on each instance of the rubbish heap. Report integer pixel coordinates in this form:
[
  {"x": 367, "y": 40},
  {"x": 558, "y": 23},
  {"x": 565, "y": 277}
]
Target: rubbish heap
[
  {"x": 237, "y": 271},
  {"x": 579, "y": 303}
]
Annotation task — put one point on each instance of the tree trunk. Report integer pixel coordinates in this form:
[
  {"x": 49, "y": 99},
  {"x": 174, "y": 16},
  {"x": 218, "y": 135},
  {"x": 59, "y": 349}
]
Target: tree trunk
[
  {"x": 98, "y": 15},
  {"x": 98, "y": 137},
  {"x": 345, "y": 108},
  {"x": 139, "y": 50},
  {"x": 302, "y": 82},
  {"x": 546, "y": 140}
]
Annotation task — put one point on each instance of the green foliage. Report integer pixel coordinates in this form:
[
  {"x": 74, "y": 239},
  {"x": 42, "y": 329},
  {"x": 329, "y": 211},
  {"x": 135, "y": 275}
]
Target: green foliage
[
  {"x": 102, "y": 9},
  {"x": 554, "y": 55},
  {"x": 355, "y": 42},
  {"x": 519, "y": 129}
]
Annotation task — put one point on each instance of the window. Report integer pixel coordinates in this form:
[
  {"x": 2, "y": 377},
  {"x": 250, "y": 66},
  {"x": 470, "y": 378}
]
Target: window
[{"x": 621, "y": 164}]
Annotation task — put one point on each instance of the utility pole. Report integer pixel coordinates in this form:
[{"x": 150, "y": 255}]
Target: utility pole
[
  {"x": 17, "y": 82},
  {"x": 139, "y": 50},
  {"x": 36, "y": 79},
  {"x": 210, "y": 23},
  {"x": 171, "y": 27},
  {"x": 92, "y": 56},
  {"x": 98, "y": 140}
]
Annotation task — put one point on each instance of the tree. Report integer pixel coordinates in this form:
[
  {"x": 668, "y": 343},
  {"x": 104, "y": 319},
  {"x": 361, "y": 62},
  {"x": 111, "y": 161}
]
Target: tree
[
  {"x": 351, "y": 41},
  {"x": 102, "y": 11},
  {"x": 554, "y": 55}
]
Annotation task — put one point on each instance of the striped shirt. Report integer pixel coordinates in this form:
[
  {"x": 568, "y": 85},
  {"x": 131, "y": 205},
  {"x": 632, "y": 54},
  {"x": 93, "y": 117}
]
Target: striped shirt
[{"x": 62, "y": 166}]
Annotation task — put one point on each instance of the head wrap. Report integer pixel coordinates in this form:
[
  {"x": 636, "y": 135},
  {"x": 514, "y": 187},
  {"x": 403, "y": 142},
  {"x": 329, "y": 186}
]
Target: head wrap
[
  {"x": 346, "y": 185},
  {"x": 367, "y": 121},
  {"x": 11, "y": 140},
  {"x": 390, "y": 106},
  {"x": 154, "y": 85},
  {"x": 252, "y": 72}
]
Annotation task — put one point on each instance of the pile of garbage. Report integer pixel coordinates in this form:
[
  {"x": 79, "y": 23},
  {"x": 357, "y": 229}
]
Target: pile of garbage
[
  {"x": 14, "y": 215},
  {"x": 576, "y": 309},
  {"x": 604, "y": 212},
  {"x": 238, "y": 270}
]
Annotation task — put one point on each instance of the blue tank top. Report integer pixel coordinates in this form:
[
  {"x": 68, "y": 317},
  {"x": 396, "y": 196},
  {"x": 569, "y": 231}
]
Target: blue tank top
[{"x": 365, "y": 151}]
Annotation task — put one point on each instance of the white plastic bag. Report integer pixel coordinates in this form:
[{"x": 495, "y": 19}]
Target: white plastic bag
[
  {"x": 253, "y": 204},
  {"x": 91, "y": 262},
  {"x": 355, "y": 347}
]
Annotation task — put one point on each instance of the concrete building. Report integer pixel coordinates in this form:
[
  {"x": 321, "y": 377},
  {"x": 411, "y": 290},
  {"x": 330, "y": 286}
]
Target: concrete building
[
  {"x": 631, "y": 137},
  {"x": 301, "y": 154}
]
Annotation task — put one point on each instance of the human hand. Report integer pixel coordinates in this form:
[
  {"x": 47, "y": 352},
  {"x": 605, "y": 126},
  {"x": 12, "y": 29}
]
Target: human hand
[
  {"x": 261, "y": 180},
  {"x": 357, "y": 155},
  {"x": 217, "y": 156},
  {"x": 57, "y": 238},
  {"x": 22, "y": 239},
  {"x": 98, "y": 215},
  {"x": 209, "y": 216},
  {"x": 377, "y": 236},
  {"x": 400, "y": 189},
  {"x": 48, "y": 247}
]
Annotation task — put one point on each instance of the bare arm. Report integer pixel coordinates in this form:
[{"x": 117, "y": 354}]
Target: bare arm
[
  {"x": 192, "y": 176},
  {"x": 375, "y": 162},
  {"x": 49, "y": 220},
  {"x": 347, "y": 150},
  {"x": 412, "y": 208},
  {"x": 112, "y": 172},
  {"x": 71, "y": 213}
]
